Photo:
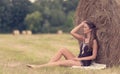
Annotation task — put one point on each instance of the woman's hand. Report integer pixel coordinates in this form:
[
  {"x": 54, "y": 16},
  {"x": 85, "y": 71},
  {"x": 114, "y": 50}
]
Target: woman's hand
[
  {"x": 74, "y": 30},
  {"x": 75, "y": 33},
  {"x": 76, "y": 59}
]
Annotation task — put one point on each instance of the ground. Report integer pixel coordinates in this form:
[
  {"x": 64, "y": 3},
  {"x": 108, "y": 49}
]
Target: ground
[{"x": 17, "y": 51}]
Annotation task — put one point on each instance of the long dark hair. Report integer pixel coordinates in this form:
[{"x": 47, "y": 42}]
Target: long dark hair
[{"x": 93, "y": 36}]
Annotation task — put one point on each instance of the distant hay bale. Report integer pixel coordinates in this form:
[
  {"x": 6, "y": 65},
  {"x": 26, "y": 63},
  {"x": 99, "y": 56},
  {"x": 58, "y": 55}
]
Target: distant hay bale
[
  {"x": 16, "y": 32},
  {"x": 59, "y": 32},
  {"x": 24, "y": 32},
  {"x": 28, "y": 32}
]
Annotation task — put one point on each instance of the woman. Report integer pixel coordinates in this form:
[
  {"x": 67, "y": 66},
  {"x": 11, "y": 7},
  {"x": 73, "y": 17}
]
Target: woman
[{"x": 88, "y": 48}]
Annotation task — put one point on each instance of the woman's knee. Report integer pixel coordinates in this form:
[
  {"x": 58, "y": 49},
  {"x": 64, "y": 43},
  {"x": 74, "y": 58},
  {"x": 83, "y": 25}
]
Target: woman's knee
[
  {"x": 64, "y": 63},
  {"x": 63, "y": 50}
]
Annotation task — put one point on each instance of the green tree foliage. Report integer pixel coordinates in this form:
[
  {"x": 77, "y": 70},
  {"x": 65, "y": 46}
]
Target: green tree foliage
[
  {"x": 20, "y": 10},
  {"x": 33, "y": 21},
  {"x": 12, "y": 14},
  {"x": 57, "y": 14},
  {"x": 69, "y": 22},
  {"x": 43, "y": 16},
  {"x": 5, "y": 15}
]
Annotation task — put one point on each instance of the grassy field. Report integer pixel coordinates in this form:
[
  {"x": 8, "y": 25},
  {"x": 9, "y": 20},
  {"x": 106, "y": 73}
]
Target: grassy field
[{"x": 17, "y": 51}]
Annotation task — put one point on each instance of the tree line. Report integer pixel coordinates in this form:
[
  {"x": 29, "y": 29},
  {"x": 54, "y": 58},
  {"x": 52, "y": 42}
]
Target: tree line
[{"x": 42, "y": 16}]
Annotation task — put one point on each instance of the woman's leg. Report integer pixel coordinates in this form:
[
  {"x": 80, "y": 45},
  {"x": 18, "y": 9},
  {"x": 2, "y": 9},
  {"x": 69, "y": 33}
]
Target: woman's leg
[
  {"x": 66, "y": 63},
  {"x": 62, "y": 52}
]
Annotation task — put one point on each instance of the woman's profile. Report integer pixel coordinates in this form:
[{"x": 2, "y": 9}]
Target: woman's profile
[{"x": 88, "y": 48}]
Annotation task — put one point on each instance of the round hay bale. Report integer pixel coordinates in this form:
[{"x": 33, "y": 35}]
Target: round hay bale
[
  {"x": 16, "y": 32},
  {"x": 24, "y": 32},
  {"x": 60, "y": 32},
  {"x": 28, "y": 32}
]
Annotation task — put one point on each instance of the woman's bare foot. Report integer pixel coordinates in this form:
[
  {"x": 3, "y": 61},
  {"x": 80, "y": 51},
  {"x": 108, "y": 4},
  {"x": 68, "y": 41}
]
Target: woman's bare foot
[{"x": 31, "y": 66}]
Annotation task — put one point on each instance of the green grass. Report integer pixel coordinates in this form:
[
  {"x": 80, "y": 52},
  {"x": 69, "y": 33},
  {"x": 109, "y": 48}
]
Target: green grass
[{"x": 17, "y": 51}]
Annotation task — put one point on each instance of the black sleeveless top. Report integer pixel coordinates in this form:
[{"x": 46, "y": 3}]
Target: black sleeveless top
[{"x": 84, "y": 52}]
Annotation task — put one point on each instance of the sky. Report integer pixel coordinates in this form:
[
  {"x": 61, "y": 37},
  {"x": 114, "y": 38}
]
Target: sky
[{"x": 32, "y": 1}]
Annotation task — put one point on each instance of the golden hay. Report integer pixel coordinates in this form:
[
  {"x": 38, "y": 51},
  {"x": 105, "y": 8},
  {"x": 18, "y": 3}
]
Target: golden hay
[{"x": 16, "y": 32}]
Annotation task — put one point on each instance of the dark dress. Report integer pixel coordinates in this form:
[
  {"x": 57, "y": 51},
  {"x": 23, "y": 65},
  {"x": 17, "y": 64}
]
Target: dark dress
[{"x": 84, "y": 52}]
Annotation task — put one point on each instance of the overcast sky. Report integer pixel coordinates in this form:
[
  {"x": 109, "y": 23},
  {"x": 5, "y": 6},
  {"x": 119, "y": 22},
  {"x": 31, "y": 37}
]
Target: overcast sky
[{"x": 32, "y": 0}]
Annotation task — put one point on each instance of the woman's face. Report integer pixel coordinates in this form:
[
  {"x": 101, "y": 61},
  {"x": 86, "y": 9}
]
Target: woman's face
[{"x": 86, "y": 28}]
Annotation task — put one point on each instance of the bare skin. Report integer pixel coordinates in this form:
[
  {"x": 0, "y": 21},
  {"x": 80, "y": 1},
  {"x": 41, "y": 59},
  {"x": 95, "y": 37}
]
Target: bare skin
[
  {"x": 71, "y": 60},
  {"x": 55, "y": 60}
]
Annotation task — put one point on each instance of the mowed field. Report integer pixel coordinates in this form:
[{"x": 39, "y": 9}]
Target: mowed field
[{"x": 17, "y": 51}]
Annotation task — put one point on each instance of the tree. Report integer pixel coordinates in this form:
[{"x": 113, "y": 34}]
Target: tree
[
  {"x": 12, "y": 14},
  {"x": 69, "y": 22},
  {"x": 5, "y": 15},
  {"x": 19, "y": 11},
  {"x": 33, "y": 21},
  {"x": 105, "y": 14},
  {"x": 69, "y": 5},
  {"x": 56, "y": 14}
]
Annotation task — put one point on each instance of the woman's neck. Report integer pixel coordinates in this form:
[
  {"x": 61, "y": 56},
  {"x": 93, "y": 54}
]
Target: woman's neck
[
  {"x": 88, "y": 35},
  {"x": 87, "y": 38}
]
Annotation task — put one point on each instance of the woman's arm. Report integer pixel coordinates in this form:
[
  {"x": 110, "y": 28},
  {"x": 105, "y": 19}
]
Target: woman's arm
[
  {"x": 94, "y": 53},
  {"x": 75, "y": 34}
]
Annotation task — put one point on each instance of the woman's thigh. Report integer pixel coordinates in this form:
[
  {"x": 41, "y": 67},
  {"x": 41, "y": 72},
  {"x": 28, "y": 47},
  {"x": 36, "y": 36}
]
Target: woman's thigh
[{"x": 67, "y": 54}]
